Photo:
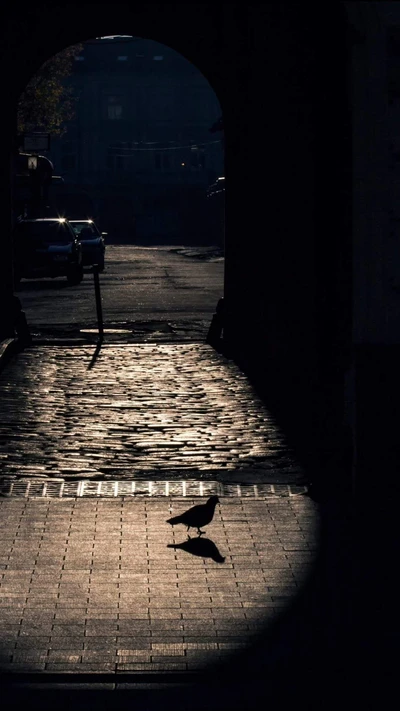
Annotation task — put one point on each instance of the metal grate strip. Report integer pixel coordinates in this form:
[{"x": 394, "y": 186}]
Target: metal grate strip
[{"x": 103, "y": 489}]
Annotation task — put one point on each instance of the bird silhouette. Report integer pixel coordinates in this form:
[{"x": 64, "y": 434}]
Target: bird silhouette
[
  {"x": 202, "y": 547},
  {"x": 197, "y": 516}
]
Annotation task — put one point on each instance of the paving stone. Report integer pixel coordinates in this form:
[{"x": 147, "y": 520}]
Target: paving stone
[
  {"x": 80, "y": 668},
  {"x": 136, "y": 613},
  {"x": 134, "y": 643},
  {"x": 28, "y": 630},
  {"x": 32, "y": 642},
  {"x": 69, "y": 656},
  {"x": 63, "y": 642},
  {"x": 132, "y": 656},
  {"x": 25, "y": 656},
  {"x": 70, "y": 630},
  {"x": 162, "y": 666},
  {"x": 18, "y": 666},
  {"x": 166, "y": 624},
  {"x": 167, "y": 636}
]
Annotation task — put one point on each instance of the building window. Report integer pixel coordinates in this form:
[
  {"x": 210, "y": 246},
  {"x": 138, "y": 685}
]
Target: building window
[
  {"x": 116, "y": 163},
  {"x": 114, "y": 108},
  {"x": 158, "y": 57},
  {"x": 197, "y": 159},
  {"x": 118, "y": 158},
  {"x": 79, "y": 58},
  {"x": 163, "y": 160},
  {"x": 122, "y": 59}
]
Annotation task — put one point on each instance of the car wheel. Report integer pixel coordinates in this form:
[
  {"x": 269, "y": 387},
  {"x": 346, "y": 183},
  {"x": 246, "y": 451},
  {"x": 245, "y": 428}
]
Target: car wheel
[{"x": 75, "y": 276}]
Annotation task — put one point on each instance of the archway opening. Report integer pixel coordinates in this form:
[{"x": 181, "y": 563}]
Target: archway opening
[{"x": 127, "y": 133}]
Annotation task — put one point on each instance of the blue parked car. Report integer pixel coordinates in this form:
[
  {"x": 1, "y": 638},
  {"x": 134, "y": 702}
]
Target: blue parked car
[
  {"x": 92, "y": 241},
  {"x": 47, "y": 247}
]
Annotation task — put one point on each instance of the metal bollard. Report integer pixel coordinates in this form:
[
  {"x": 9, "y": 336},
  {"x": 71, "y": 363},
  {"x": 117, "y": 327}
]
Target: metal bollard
[{"x": 99, "y": 309}]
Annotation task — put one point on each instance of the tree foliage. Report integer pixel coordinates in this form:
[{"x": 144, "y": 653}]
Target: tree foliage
[{"x": 47, "y": 102}]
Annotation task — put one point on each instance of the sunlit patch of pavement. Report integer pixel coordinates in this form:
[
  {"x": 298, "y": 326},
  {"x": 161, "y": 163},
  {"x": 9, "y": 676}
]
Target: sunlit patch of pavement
[
  {"x": 92, "y": 579},
  {"x": 146, "y": 411},
  {"x": 105, "y": 585}
]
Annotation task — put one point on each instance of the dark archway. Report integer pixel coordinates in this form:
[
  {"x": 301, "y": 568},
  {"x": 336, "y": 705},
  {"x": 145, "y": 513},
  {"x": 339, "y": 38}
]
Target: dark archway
[
  {"x": 281, "y": 84},
  {"x": 278, "y": 85}
]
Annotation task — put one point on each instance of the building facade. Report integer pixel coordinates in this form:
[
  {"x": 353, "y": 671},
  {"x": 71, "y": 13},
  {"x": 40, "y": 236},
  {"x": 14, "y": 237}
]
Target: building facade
[{"x": 140, "y": 141}]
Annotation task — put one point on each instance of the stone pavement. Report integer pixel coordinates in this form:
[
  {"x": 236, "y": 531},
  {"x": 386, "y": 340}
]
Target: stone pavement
[
  {"x": 108, "y": 586},
  {"x": 93, "y": 581},
  {"x": 138, "y": 411}
]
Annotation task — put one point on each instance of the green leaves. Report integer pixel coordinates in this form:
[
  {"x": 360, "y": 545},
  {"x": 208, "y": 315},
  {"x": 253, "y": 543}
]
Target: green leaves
[{"x": 47, "y": 104}]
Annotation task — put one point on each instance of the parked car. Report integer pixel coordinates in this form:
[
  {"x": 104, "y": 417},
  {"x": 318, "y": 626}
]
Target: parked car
[
  {"x": 47, "y": 247},
  {"x": 92, "y": 240}
]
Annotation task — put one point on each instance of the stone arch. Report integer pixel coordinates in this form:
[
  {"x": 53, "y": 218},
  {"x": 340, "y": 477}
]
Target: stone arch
[
  {"x": 182, "y": 211},
  {"x": 272, "y": 69}
]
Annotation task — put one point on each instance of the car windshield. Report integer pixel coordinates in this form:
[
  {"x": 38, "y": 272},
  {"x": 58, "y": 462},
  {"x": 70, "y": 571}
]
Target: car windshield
[
  {"x": 79, "y": 226},
  {"x": 48, "y": 231}
]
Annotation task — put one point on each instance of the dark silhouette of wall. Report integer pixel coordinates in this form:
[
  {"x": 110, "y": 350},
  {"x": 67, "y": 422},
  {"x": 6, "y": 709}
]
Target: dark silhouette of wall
[{"x": 281, "y": 74}]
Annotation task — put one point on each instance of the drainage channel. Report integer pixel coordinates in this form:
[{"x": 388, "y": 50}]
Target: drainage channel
[{"x": 184, "y": 488}]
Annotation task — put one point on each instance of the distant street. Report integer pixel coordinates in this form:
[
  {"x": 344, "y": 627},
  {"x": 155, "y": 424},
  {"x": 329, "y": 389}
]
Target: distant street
[{"x": 139, "y": 285}]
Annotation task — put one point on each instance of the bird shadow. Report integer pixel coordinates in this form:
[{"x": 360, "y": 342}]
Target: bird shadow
[{"x": 203, "y": 547}]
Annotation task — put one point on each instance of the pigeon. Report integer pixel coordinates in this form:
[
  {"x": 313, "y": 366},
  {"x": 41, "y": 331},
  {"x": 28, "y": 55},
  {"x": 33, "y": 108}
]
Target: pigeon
[
  {"x": 197, "y": 516},
  {"x": 202, "y": 547}
]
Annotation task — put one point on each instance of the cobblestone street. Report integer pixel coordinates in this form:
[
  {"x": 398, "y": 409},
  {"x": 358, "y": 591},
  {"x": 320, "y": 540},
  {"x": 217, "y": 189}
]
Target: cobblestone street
[{"x": 139, "y": 411}]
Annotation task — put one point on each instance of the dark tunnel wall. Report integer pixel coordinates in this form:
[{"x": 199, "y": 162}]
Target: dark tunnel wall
[{"x": 289, "y": 301}]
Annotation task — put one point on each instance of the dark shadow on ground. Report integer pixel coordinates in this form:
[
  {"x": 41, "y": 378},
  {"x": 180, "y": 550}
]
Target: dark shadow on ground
[
  {"x": 95, "y": 355},
  {"x": 202, "y": 547},
  {"x": 41, "y": 284}
]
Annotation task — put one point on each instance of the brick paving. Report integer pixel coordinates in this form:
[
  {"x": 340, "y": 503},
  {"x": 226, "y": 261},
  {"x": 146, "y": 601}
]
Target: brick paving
[{"x": 96, "y": 586}]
